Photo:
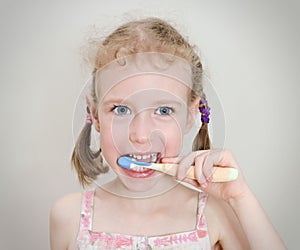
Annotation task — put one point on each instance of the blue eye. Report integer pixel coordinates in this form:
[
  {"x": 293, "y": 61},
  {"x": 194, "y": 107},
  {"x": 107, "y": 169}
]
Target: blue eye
[
  {"x": 164, "y": 111},
  {"x": 121, "y": 110}
]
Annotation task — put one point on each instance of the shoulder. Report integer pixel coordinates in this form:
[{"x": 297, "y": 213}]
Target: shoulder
[
  {"x": 66, "y": 206},
  {"x": 64, "y": 220},
  {"x": 223, "y": 225}
]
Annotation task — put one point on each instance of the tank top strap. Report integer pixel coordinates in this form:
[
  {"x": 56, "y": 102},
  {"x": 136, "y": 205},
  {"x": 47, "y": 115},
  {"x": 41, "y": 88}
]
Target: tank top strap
[
  {"x": 87, "y": 208},
  {"x": 201, "y": 223}
]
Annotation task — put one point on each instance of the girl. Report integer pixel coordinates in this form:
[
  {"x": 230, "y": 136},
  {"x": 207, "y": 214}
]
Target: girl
[{"x": 146, "y": 92}]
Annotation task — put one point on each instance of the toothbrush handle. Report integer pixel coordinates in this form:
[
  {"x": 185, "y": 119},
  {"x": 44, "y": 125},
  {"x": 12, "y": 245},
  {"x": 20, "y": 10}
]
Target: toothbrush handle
[{"x": 220, "y": 174}]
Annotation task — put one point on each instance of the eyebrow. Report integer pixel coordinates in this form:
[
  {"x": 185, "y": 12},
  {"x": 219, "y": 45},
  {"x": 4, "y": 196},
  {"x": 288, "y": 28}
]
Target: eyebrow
[
  {"x": 158, "y": 102},
  {"x": 112, "y": 101},
  {"x": 168, "y": 101}
]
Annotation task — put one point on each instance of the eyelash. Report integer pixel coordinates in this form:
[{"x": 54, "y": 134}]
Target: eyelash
[
  {"x": 170, "y": 110},
  {"x": 157, "y": 111},
  {"x": 115, "y": 107}
]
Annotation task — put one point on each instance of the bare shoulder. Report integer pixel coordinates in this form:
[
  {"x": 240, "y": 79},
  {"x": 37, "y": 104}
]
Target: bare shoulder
[
  {"x": 66, "y": 205},
  {"x": 223, "y": 225},
  {"x": 64, "y": 221}
]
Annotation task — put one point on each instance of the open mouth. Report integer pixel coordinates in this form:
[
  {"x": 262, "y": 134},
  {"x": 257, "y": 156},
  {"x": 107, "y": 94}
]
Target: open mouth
[
  {"x": 151, "y": 158},
  {"x": 139, "y": 171}
]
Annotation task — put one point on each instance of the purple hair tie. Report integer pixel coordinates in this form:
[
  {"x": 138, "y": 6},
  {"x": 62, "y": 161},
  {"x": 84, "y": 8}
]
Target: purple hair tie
[{"x": 204, "y": 110}]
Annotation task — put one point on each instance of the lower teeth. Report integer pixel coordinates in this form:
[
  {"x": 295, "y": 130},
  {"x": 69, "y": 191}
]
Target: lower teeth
[{"x": 142, "y": 169}]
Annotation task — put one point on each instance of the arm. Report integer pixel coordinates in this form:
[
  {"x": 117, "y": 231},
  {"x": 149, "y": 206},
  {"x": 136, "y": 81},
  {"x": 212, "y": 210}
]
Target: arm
[
  {"x": 224, "y": 228},
  {"x": 64, "y": 222},
  {"x": 58, "y": 241},
  {"x": 255, "y": 223}
]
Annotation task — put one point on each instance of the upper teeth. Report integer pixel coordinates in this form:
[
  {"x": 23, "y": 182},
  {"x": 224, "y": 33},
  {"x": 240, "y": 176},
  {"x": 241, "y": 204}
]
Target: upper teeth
[{"x": 152, "y": 157}]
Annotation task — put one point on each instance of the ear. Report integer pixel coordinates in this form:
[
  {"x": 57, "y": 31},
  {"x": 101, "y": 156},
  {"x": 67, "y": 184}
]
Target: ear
[
  {"x": 193, "y": 109},
  {"x": 94, "y": 112}
]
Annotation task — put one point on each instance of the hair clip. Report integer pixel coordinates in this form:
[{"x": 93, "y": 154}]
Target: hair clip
[
  {"x": 204, "y": 109},
  {"x": 89, "y": 119}
]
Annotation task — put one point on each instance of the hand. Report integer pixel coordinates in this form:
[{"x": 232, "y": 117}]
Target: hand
[{"x": 204, "y": 161}]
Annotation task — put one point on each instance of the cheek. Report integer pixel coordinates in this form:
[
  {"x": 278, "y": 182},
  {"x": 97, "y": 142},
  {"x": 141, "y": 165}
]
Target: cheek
[
  {"x": 165, "y": 136},
  {"x": 115, "y": 136},
  {"x": 108, "y": 144},
  {"x": 173, "y": 140}
]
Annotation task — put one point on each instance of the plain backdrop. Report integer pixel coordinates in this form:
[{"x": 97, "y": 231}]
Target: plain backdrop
[{"x": 251, "y": 49}]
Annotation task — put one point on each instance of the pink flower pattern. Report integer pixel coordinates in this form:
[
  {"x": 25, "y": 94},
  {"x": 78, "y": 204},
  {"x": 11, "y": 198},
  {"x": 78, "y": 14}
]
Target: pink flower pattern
[{"x": 89, "y": 240}]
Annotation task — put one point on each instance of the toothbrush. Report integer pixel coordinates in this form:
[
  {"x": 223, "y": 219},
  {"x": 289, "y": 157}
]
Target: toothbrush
[{"x": 220, "y": 174}]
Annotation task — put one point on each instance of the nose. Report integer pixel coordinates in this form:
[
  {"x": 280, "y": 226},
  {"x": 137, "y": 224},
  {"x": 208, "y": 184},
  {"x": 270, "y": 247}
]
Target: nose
[{"x": 140, "y": 128}]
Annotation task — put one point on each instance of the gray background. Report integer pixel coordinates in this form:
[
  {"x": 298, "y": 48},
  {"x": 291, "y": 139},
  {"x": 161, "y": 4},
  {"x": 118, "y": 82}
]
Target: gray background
[{"x": 252, "y": 52}]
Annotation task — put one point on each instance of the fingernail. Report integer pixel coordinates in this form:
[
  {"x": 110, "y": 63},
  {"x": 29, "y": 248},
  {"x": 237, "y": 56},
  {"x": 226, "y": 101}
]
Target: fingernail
[
  {"x": 163, "y": 160},
  {"x": 180, "y": 176},
  {"x": 204, "y": 185},
  {"x": 209, "y": 179}
]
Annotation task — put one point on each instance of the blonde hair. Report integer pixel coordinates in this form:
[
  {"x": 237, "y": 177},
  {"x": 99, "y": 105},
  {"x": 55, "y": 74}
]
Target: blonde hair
[{"x": 146, "y": 35}]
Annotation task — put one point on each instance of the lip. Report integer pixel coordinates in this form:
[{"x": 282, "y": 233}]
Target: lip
[{"x": 134, "y": 174}]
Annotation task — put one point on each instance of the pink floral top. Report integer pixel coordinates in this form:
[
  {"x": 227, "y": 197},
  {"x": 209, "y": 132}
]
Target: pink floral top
[{"x": 89, "y": 240}]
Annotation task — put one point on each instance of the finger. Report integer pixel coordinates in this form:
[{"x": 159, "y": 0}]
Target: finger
[
  {"x": 217, "y": 157},
  {"x": 194, "y": 183},
  {"x": 223, "y": 158},
  {"x": 204, "y": 163},
  {"x": 199, "y": 162},
  {"x": 171, "y": 159},
  {"x": 208, "y": 165},
  {"x": 184, "y": 165}
]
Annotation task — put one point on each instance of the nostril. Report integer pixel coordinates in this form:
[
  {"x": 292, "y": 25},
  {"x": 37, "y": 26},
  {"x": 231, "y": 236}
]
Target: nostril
[{"x": 135, "y": 138}]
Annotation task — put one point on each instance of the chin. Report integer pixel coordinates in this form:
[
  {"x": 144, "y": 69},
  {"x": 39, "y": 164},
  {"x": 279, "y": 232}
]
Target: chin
[
  {"x": 155, "y": 185},
  {"x": 140, "y": 184}
]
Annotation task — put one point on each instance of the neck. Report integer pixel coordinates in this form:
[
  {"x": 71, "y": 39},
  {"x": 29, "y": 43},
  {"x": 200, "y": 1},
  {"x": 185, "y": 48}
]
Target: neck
[
  {"x": 165, "y": 185},
  {"x": 154, "y": 200}
]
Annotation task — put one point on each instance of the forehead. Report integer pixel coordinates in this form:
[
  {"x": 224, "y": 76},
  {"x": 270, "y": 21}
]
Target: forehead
[
  {"x": 144, "y": 71},
  {"x": 148, "y": 88}
]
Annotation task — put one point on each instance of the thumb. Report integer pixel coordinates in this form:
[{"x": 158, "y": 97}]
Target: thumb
[{"x": 171, "y": 159}]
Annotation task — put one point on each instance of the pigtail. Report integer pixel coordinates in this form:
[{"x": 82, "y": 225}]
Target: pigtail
[
  {"x": 88, "y": 163},
  {"x": 202, "y": 141}
]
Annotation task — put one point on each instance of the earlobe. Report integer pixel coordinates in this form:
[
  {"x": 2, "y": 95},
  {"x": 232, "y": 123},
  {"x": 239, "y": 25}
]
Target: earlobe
[
  {"x": 93, "y": 112},
  {"x": 96, "y": 124}
]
